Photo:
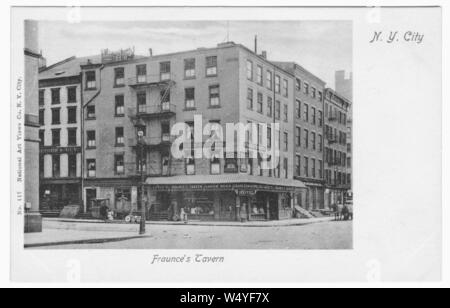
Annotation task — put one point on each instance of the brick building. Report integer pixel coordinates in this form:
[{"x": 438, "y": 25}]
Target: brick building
[
  {"x": 225, "y": 84},
  {"x": 60, "y": 134},
  {"x": 337, "y": 171},
  {"x": 308, "y": 135}
]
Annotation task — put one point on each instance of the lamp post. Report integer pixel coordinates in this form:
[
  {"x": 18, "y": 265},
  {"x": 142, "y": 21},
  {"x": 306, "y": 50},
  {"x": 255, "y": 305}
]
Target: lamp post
[{"x": 140, "y": 132}]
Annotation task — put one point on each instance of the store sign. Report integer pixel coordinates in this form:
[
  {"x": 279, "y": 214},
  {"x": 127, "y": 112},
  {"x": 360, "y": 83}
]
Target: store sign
[
  {"x": 60, "y": 150},
  {"x": 246, "y": 192},
  {"x": 220, "y": 187}
]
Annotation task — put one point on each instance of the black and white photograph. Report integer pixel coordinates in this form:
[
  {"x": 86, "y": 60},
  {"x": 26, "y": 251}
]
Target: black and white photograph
[
  {"x": 226, "y": 144},
  {"x": 108, "y": 134}
]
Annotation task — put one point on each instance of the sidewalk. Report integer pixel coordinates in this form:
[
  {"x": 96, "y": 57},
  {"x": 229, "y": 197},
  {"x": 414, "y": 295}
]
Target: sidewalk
[
  {"x": 64, "y": 231},
  {"x": 270, "y": 223}
]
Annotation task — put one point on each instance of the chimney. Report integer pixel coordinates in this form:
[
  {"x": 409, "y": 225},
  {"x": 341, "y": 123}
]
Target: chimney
[
  {"x": 150, "y": 51},
  {"x": 256, "y": 44},
  {"x": 264, "y": 54}
]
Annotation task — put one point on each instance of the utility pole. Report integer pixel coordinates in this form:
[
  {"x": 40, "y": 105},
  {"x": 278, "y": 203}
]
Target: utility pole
[{"x": 140, "y": 129}]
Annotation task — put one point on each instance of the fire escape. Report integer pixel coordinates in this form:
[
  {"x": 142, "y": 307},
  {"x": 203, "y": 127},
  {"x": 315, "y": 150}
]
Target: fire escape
[{"x": 144, "y": 114}]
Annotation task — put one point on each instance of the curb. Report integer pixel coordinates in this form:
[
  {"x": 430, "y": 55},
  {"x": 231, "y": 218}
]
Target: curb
[
  {"x": 207, "y": 224},
  {"x": 87, "y": 241}
]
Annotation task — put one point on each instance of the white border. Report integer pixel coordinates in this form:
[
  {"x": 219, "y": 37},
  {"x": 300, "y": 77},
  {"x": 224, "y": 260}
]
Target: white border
[{"x": 445, "y": 110}]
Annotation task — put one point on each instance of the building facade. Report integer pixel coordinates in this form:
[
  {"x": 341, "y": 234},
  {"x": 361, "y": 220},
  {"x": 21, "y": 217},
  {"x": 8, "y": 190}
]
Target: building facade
[
  {"x": 337, "y": 171},
  {"x": 226, "y": 84},
  {"x": 308, "y": 136},
  {"x": 60, "y": 135},
  {"x": 33, "y": 220}
]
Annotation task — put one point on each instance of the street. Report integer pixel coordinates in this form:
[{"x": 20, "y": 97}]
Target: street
[{"x": 320, "y": 235}]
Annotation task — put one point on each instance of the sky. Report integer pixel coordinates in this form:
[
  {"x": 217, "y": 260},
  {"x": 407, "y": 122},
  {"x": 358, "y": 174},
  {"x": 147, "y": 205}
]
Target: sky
[{"x": 321, "y": 47}]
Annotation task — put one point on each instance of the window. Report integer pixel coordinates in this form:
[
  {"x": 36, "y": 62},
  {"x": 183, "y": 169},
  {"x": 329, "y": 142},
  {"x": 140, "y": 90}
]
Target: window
[
  {"x": 41, "y": 137},
  {"x": 249, "y": 70},
  {"x": 164, "y": 70},
  {"x": 90, "y": 80},
  {"x": 285, "y": 88},
  {"x": 306, "y": 89},
  {"x": 313, "y": 140},
  {"x": 189, "y": 68},
  {"x": 250, "y": 99},
  {"x": 320, "y": 169},
  {"x": 259, "y": 75},
  {"x": 306, "y": 136},
  {"x": 298, "y": 162},
  {"x": 313, "y": 167},
  {"x": 71, "y": 94},
  {"x": 298, "y": 113},
  {"x": 305, "y": 166},
  {"x": 41, "y": 97},
  {"x": 119, "y": 108},
  {"x": 90, "y": 138},
  {"x": 119, "y": 76},
  {"x": 313, "y": 92},
  {"x": 55, "y": 116},
  {"x": 56, "y": 164},
  {"x": 320, "y": 143},
  {"x": 269, "y": 106},
  {"x": 269, "y": 81},
  {"x": 313, "y": 115},
  {"x": 90, "y": 112},
  {"x": 165, "y": 100},
  {"x": 141, "y": 73},
  {"x": 320, "y": 96},
  {"x": 119, "y": 136},
  {"x": 72, "y": 162},
  {"x": 269, "y": 138},
  {"x": 305, "y": 112},
  {"x": 90, "y": 163},
  {"x": 189, "y": 98},
  {"x": 119, "y": 165},
  {"x": 259, "y": 106},
  {"x": 190, "y": 166},
  {"x": 277, "y": 84},
  {"x": 214, "y": 96},
  {"x": 320, "y": 118},
  {"x": 285, "y": 113},
  {"x": 71, "y": 136},
  {"x": 298, "y": 84},
  {"x": 41, "y": 116},
  {"x": 286, "y": 141},
  {"x": 56, "y": 137},
  {"x": 298, "y": 136},
  {"x": 141, "y": 98},
  {"x": 56, "y": 99},
  {"x": 71, "y": 115},
  {"x": 211, "y": 66},
  {"x": 285, "y": 167},
  {"x": 277, "y": 110}
]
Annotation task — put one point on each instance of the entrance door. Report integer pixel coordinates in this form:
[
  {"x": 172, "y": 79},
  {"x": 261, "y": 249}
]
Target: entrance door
[
  {"x": 273, "y": 206},
  {"x": 91, "y": 193}
]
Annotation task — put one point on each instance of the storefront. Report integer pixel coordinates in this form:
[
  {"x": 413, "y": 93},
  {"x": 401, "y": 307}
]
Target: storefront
[
  {"x": 222, "y": 197},
  {"x": 55, "y": 194}
]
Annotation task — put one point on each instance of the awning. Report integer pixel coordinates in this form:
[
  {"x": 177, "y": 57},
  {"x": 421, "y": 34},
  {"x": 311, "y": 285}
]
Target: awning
[{"x": 223, "y": 182}]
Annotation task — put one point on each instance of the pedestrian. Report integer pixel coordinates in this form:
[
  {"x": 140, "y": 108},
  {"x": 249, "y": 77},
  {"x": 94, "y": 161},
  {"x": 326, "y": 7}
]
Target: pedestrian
[{"x": 104, "y": 212}]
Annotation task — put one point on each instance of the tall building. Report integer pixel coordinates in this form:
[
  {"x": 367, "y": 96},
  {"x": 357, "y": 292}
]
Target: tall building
[
  {"x": 123, "y": 94},
  {"x": 33, "y": 220},
  {"x": 308, "y": 135},
  {"x": 60, "y": 135},
  {"x": 337, "y": 172}
]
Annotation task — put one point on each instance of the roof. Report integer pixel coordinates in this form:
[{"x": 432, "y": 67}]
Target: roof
[
  {"x": 294, "y": 66},
  {"x": 67, "y": 67},
  {"x": 223, "y": 179}
]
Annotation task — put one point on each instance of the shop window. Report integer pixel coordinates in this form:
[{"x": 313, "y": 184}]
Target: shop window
[{"x": 56, "y": 165}]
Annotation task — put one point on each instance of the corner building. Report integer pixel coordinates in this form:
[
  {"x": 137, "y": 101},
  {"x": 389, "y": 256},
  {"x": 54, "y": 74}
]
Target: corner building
[{"x": 225, "y": 84}]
